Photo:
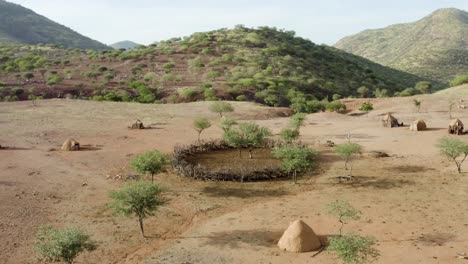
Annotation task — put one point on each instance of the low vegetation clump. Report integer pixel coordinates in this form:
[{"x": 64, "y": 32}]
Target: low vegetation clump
[
  {"x": 367, "y": 107},
  {"x": 62, "y": 244},
  {"x": 459, "y": 80},
  {"x": 140, "y": 198},
  {"x": 354, "y": 249}
]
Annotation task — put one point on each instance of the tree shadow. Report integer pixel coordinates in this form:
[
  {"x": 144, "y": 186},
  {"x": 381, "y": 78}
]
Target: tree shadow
[
  {"x": 375, "y": 183},
  {"x": 436, "y": 239},
  {"x": 357, "y": 114},
  {"x": 242, "y": 193},
  {"x": 14, "y": 148},
  {"x": 255, "y": 238},
  {"x": 409, "y": 169},
  {"x": 89, "y": 148},
  {"x": 434, "y": 129}
]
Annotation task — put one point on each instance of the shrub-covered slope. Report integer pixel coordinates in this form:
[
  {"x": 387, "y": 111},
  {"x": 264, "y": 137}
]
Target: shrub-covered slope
[{"x": 266, "y": 65}]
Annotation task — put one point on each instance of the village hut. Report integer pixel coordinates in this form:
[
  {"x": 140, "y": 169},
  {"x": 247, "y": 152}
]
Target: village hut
[
  {"x": 456, "y": 127},
  {"x": 137, "y": 125},
  {"x": 71, "y": 145},
  {"x": 299, "y": 237},
  {"x": 390, "y": 121},
  {"x": 418, "y": 125}
]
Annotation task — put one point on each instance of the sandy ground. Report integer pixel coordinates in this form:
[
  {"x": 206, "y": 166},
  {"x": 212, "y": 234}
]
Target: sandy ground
[{"x": 413, "y": 202}]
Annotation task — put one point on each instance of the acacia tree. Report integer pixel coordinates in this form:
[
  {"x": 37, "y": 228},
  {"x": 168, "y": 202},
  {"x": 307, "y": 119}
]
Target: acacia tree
[
  {"x": 221, "y": 107},
  {"x": 295, "y": 159},
  {"x": 139, "y": 198},
  {"x": 247, "y": 135},
  {"x": 62, "y": 244},
  {"x": 347, "y": 151},
  {"x": 201, "y": 124},
  {"x": 343, "y": 211},
  {"x": 151, "y": 162},
  {"x": 453, "y": 149}
]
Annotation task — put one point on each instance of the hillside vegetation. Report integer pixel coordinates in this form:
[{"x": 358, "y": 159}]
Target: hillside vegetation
[
  {"x": 265, "y": 65},
  {"x": 434, "y": 47},
  {"x": 19, "y": 25}
]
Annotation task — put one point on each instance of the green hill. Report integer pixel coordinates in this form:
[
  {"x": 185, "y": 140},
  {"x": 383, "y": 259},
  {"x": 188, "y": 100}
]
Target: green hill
[
  {"x": 19, "y": 25},
  {"x": 126, "y": 44},
  {"x": 434, "y": 47},
  {"x": 265, "y": 65}
]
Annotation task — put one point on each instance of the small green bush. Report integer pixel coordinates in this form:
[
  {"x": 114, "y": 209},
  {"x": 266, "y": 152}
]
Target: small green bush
[
  {"x": 336, "y": 106},
  {"x": 241, "y": 97},
  {"x": 54, "y": 80},
  {"x": 187, "y": 93},
  {"x": 459, "y": 80}
]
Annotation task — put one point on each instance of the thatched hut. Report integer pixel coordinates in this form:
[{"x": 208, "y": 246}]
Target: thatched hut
[
  {"x": 137, "y": 125},
  {"x": 418, "y": 125},
  {"x": 390, "y": 121},
  {"x": 70, "y": 145},
  {"x": 456, "y": 127}
]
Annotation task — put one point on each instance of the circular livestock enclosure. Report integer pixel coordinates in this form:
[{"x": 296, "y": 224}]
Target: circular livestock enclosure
[{"x": 217, "y": 161}]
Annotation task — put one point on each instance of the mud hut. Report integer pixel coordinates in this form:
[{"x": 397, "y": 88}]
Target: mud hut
[
  {"x": 299, "y": 237},
  {"x": 70, "y": 145},
  {"x": 418, "y": 125},
  {"x": 137, "y": 125},
  {"x": 456, "y": 127},
  {"x": 390, "y": 121}
]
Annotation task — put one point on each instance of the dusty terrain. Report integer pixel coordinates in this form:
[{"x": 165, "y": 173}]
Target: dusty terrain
[{"x": 413, "y": 202}]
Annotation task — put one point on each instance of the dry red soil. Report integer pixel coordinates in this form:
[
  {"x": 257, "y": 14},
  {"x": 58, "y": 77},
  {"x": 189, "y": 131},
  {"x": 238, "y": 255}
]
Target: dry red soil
[{"x": 413, "y": 202}]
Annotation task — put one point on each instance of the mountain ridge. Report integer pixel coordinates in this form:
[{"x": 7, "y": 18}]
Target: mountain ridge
[
  {"x": 20, "y": 25},
  {"x": 435, "y": 46}
]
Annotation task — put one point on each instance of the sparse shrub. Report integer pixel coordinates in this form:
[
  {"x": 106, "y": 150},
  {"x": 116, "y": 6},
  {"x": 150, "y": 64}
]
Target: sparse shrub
[
  {"x": 367, "y": 107},
  {"x": 289, "y": 135},
  {"x": 187, "y": 93},
  {"x": 354, "y": 249},
  {"x": 409, "y": 92},
  {"x": 201, "y": 124},
  {"x": 297, "y": 120},
  {"x": 209, "y": 94},
  {"x": 453, "y": 149},
  {"x": 336, "y": 97},
  {"x": 241, "y": 97},
  {"x": 315, "y": 106},
  {"x": 459, "y": 80},
  {"x": 221, "y": 108},
  {"x": 28, "y": 75},
  {"x": 295, "y": 159},
  {"x": 379, "y": 93},
  {"x": 347, "y": 151},
  {"x": 363, "y": 91},
  {"x": 168, "y": 65},
  {"x": 139, "y": 198},
  {"x": 62, "y": 244},
  {"x": 151, "y": 162},
  {"x": 335, "y": 106},
  {"x": 54, "y": 80},
  {"x": 98, "y": 98},
  {"x": 423, "y": 87}
]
